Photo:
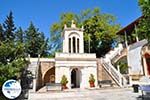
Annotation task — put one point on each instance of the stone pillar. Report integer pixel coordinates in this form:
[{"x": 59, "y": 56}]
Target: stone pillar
[
  {"x": 57, "y": 75},
  {"x": 84, "y": 78},
  {"x": 145, "y": 66},
  {"x": 67, "y": 72},
  {"x": 34, "y": 84}
]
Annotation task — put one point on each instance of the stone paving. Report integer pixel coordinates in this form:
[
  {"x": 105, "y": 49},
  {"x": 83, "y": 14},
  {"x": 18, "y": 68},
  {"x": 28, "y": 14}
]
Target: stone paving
[{"x": 86, "y": 94}]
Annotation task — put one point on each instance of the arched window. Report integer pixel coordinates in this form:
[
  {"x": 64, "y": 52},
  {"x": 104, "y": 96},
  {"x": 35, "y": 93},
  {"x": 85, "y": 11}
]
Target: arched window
[
  {"x": 69, "y": 45},
  {"x": 74, "y": 44},
  {"x": 78, "y": 45}
]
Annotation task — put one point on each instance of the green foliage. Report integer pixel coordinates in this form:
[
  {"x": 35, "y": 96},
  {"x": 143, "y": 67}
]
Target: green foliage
[
  {"x": 123, "y": 65},
  {"x": 91, "y": 78},
  {"x": 10, "y": 52},
  {"x": 11, "y": 70},
  {"x": 35, "y": 42},
  {"x": 1, "y": 33},
  {"x": 64, "y": 80},
  {"x": 9, "y": 28},
  {"x": 12, "y": 61},
  {"x": 20, "y": 35},
  {"x": 99, "y": 29},
  {"x": 100, "y": 32},
  {"x": 143, "y": 27}
]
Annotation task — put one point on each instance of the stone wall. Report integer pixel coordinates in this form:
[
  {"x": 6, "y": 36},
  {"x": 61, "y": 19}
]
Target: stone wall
[
  {"x": 102, "y": 74},
  {"x": 46, "y": 69}
]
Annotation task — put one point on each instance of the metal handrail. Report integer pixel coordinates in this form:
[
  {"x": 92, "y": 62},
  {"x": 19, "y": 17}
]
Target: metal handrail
[{"x": 117, "y": 76}]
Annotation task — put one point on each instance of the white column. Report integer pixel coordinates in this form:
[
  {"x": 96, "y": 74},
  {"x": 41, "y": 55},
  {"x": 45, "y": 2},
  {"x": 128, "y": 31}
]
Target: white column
[
  {"x": 76, "y": 44},
  {"x": 34, "y": 85},
  {"x": 130, "y": 76},
  {"x": 145, "y": 66},
  {"x": 64, "y": 45},
  {"x": 71, "y": 45},
  {"x": 57, "y": 75},
  {"x": 84, "y": 78}
]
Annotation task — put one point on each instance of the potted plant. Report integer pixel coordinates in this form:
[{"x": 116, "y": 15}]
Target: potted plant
[
  {"x": 64, "y": 81},
  {"x": 92, "y": 80}
]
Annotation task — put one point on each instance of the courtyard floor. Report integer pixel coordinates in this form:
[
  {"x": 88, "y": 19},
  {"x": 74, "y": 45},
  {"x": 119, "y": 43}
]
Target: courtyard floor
[{"x": 86, "y": 94}]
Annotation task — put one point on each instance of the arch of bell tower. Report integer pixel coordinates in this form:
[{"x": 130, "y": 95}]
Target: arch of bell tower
[{"x": 73, "y": 39}]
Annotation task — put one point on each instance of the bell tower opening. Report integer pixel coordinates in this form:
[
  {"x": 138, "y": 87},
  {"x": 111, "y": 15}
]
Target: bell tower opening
[
  {"x": 69, "y": 45},
  {"x": 78, "y": 45},
  {"x": 74, "y": 45}
]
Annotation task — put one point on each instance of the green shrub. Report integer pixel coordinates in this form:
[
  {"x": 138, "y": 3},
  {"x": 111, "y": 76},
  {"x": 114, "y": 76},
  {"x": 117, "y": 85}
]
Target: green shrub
[
  {"x": 64, "y": 80},
  {"x": 91, "y": 78}
]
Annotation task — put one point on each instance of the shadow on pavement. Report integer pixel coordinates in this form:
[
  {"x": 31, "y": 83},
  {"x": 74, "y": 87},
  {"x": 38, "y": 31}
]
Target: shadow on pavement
[{"x": 145, "y": 97}]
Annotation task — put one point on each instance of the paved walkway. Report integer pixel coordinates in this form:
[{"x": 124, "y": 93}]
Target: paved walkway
[{"x": 95, "y": 94}]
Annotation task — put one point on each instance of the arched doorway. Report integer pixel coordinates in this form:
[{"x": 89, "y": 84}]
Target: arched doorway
[
  {"x": 49, "y": 76},
  {"x": 75, "y": 78}
]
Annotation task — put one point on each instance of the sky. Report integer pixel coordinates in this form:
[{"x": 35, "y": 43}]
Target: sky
[{"x": 43, "y": 13}]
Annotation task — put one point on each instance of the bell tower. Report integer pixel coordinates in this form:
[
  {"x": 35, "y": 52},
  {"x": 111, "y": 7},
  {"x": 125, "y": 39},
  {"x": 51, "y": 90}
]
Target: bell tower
[{"x": 73, "y": 39}]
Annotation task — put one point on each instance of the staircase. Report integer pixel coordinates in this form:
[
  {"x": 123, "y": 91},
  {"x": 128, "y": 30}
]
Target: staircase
[
  {"x": 112, "y": 71},
  {"x": 119, "y": 56}
]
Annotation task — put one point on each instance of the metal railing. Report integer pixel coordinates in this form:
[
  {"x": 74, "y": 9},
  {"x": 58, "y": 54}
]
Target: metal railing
[
  {"x": 115, "y": 74},
  {"x": 113, "y": 53}
]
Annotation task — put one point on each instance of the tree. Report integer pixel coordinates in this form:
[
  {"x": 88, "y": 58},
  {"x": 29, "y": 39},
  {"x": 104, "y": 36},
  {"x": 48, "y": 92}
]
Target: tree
[
  {"x": 143, "y": 27},
  {"x": 1, "y": 33},
  {"x": 35, "y": 42},
  {"x": 99, "y": 30},
  {"x": 12, "y": 61},
  {"x": 9, "y": 28},
  {"x": 100, "y": 33},
  {"x": 20, "y": 35},
  {"x": 12, "y": 53}
]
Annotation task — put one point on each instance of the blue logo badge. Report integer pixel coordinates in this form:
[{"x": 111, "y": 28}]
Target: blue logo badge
[{"x": 11, "y": 89}]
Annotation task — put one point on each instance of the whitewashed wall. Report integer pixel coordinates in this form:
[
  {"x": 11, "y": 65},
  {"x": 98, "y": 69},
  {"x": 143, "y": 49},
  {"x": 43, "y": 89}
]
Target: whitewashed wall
[
  {"x": 134, "y": 61},
  {"x": 135, "y": 58}
]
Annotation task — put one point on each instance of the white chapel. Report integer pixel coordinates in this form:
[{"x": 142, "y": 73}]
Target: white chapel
[{"x": 73, "y": 62}]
